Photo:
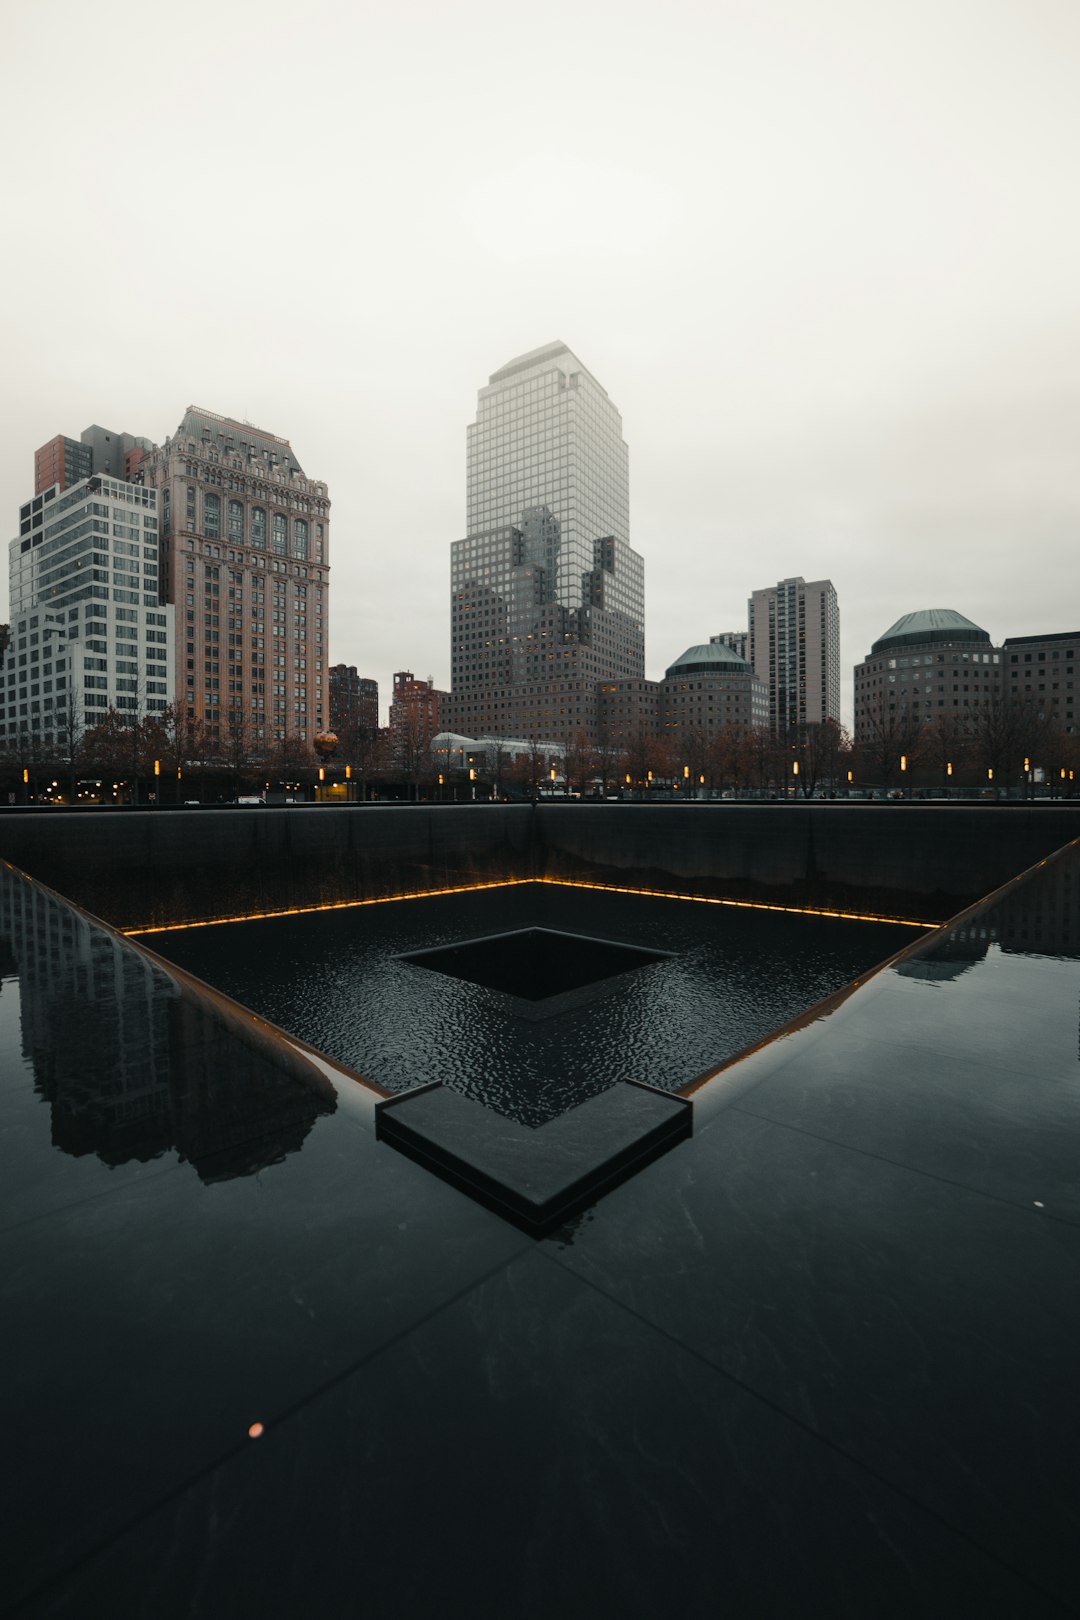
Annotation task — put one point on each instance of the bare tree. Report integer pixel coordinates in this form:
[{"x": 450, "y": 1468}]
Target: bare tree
[
  {"x": 1006, "y": 731},
  {"x": 606, "y": 755},
  {"x": 945, "y": 744},
  {"x": 238, "y": 745},
  {"x": 579, "y": 762},
  {"x": 820, "y": 750},
  {"x": 70, "y": 730},
  {"x": 184, "y": 745},
  {"x": 892, "y": 735}
]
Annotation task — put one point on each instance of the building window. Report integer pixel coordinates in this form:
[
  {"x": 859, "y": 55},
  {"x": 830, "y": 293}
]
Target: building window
[
  {"x": 278, "y": 533},
  {"x": 258, "y": 526},
  {"x": 236, "y": 520},
  {"x": 300, "y": 538},
  {"x": 212, "y": 517}
]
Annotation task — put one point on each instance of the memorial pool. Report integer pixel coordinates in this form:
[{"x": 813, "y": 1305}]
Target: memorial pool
[{"x": 723, "y": 979}]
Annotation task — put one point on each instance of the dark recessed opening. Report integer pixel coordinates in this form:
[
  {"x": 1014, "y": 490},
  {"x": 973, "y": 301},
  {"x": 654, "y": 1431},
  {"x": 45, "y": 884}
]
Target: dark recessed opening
[{"x": 535, "y": 963}]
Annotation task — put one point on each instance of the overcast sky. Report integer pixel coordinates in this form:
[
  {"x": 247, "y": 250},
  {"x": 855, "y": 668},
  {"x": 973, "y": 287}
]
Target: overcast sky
[{"x": 824, "y": 256}]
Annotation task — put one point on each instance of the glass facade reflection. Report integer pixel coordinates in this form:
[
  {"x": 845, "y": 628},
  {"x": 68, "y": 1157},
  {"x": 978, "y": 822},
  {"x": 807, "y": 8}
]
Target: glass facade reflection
[
  {"x": 547, "y": 439},
  {"x": 548, "y": 596},
  {"x": 132, "y": 1065}
]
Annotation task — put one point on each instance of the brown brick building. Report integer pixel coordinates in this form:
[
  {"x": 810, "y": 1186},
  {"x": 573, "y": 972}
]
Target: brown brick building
[{"x": 245, "y": 559}]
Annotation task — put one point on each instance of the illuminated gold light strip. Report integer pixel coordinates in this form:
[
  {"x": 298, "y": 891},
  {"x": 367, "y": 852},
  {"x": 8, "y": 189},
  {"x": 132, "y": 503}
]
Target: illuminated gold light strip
[
  {"x": 561, "y": 883},
  {"x": 743, "y": 905},
  {"x": 326, "y": 905}
]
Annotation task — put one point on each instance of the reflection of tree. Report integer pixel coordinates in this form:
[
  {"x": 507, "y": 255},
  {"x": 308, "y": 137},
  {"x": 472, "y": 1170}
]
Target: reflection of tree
[{"x": 133, "y": 1066}]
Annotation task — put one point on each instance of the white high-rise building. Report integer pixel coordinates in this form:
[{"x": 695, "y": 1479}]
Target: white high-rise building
[
  {"x": 548, "y": 596},
  {"x": 795, "y": 650},
  {"x": 88, "y": 629},
  {"x": 547, "y": 444}
]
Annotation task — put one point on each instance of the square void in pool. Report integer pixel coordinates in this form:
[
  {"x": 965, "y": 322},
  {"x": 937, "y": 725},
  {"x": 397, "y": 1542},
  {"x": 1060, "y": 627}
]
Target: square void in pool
[{"x": 535, "y": 964}]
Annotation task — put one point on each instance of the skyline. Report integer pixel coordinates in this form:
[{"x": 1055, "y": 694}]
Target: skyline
[{"x": 826, "y": 272}]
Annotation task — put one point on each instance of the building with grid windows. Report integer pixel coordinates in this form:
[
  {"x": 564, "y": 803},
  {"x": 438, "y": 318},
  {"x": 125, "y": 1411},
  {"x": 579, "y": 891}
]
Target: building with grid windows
[
  {"x": 794, "y": 648},
  {"x": 245, "y": 538},
  {"x": 547, "y": 594},
  {"x": 1041, "y": 672},
  {"x": 65, "y": 461},
  {"x": 88, "y": 629},
  {"x": 354, "y": 702},
  {"x": 931, "y": 665}
]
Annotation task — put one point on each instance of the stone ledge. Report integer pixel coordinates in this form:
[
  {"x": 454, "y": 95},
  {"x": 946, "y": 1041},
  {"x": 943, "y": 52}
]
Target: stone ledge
[{"x": 536, "y": 1179}]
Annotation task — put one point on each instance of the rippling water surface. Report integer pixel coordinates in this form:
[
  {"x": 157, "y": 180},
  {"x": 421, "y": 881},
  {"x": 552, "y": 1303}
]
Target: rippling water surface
[{"x": 334, "y": 979}]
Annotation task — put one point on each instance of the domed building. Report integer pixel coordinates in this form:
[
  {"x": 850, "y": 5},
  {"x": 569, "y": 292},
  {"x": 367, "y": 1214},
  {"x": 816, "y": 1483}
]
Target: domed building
[
  {"x": 708, "y": 687},
  {"x": 933, "y": 662}
]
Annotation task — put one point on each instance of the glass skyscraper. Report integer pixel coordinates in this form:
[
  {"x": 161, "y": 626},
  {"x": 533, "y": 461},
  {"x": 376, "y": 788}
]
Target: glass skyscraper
[
  {"x": 548, "y": 597},
  {"x": 546, "y": 455}
]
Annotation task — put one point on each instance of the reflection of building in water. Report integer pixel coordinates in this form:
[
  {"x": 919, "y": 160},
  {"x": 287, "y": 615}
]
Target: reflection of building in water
[
  {"x": 961, "y": 948},
  {"x": 1043, "y": 915},
  {"x": 131, "y": 1065}
]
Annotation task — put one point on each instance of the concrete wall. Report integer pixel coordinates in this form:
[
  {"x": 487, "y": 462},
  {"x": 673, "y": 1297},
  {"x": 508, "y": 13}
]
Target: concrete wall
[{"x": 147, "y": 866}]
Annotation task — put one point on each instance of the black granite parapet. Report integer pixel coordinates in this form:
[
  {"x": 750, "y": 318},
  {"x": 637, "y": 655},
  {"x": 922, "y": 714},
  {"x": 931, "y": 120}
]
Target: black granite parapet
[
  {"x": 537, "y": 1179},
  {"x": 139, "y": 868},
  {"x": 908, "y": 860}
]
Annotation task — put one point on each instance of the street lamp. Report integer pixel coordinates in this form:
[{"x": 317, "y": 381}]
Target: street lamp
[{"x": 795, "y": 775}]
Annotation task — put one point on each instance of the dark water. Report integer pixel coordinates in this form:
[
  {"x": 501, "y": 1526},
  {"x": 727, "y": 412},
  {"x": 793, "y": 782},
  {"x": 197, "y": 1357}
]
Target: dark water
[{"x": 336, "y": 980}]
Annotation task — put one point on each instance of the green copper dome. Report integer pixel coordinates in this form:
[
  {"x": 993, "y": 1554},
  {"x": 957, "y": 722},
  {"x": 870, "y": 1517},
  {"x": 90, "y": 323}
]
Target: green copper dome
[
  {"x": 713, "y": 658},
  {"x": 928, "y": 627}
]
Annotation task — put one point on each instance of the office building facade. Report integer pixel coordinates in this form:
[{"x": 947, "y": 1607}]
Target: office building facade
[
  {"x": 416, "y": 718},
  {"x": 737, "y": 640},
  {"x": 354, "y": 702},
  {"x": 794, "y": 648},
  {"x": 547, "y": 594},
  {"x": 931, "y": 663},
  {"x": 245, "y": 560},
  {"x": 1041, "y": 671},
  {"x": 89, "y": 631},
  {"x": 710, "y": 687}
]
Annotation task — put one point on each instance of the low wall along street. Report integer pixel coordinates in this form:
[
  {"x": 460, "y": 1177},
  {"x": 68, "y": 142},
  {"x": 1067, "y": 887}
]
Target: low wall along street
[{"x": 140, "y": 868}]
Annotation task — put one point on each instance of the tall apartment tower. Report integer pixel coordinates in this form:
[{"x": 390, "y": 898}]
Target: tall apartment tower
[
  {"x": 354, "y": 701},
  {"x": 794, "y": 648},
  {"x": 548, "y": 596},
  {"x": 88, "y": 629},
  {"x": 245, "y": 537},
  {"x": 736, "y": 641}
]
